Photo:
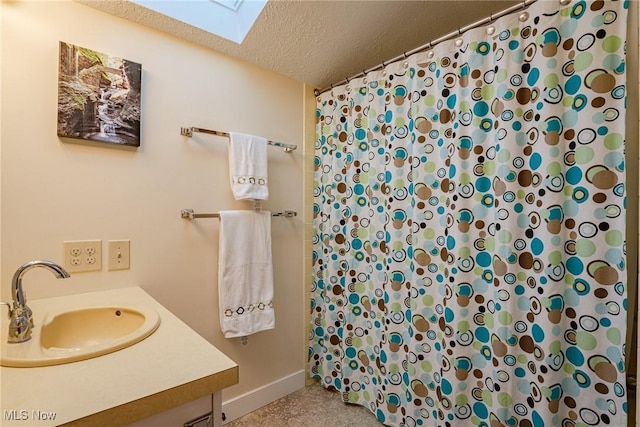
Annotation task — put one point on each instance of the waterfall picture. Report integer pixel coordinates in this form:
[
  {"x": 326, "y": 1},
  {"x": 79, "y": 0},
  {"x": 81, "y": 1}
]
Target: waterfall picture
[{"x": 98, "y": 96}]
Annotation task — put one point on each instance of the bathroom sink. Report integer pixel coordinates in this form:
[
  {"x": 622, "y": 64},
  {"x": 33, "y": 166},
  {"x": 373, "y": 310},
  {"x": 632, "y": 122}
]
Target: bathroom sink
[{"x": 79, "y": 334}]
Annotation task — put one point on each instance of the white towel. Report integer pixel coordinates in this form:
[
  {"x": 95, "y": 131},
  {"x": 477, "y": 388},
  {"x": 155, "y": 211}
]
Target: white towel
[
  {"x": 248, "y": 166},
  {"x": 245, "y": 273}
]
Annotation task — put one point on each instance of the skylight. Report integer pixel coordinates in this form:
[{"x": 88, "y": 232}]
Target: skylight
[
  {"x": 231, "y": 19},
  {"x": 229, "y": 4}
]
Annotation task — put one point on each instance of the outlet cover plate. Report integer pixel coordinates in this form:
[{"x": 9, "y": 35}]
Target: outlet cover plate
[
  {"x": 82, "y": 255},
  {"x": 119, "y": 254}
]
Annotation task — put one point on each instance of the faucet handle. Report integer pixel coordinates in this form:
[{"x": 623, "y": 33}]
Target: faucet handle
[
  {"x": 20, "y": 326},
  {"x": 8, "y": 306}
]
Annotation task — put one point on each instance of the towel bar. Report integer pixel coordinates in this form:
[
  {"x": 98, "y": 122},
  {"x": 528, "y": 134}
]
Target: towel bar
[
  {"x": 190, "y": 214},
  {"x": 288, "y": 148}
]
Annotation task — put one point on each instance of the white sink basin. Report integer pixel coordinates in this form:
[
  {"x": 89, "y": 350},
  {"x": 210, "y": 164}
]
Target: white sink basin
[{"x": 79, "y": 334}]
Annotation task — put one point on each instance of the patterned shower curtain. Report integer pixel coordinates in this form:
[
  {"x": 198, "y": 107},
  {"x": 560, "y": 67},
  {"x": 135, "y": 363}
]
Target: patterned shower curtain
[{"x": 469, "y": 203}]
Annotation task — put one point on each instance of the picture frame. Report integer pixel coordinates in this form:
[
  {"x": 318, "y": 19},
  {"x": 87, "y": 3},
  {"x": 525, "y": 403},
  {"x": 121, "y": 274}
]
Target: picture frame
[{"x": 99, "y": 96}]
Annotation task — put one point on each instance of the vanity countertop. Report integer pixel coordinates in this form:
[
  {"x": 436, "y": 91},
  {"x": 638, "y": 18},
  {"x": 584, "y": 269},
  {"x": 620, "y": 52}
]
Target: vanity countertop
[{"x": 171, "y": 367}]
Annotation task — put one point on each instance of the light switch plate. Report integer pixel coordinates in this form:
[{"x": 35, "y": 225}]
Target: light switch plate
[
  {"x": 119, "y": 255},
  {"x": 82, "y": 255}
]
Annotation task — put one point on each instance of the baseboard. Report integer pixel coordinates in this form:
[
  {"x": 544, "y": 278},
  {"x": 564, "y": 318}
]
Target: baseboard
[{"x": 256, "y": 399}]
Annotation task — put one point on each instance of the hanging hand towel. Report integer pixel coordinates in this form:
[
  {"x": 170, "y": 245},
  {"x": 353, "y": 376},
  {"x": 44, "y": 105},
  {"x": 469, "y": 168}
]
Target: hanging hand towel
[
  {"x": 248, "y": 166},
  {"x": 245, "y": 273}
]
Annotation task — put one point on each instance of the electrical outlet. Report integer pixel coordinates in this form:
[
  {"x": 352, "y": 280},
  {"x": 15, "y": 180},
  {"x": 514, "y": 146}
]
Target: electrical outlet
[
  {"x": 82, "y": 255},
  {"x": 119, "y": 254}
]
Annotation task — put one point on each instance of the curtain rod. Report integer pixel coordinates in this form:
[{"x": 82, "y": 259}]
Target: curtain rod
[{"x": 432, "y": 43}]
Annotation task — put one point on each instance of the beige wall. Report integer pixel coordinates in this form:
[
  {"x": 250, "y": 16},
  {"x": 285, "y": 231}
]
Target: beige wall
[
  {"x": 309, "y": 183},
  {"x": 55, "y": 190}
]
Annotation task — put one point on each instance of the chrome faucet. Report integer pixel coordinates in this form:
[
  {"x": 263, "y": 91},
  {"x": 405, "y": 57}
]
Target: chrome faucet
[{"x": 20, "y": 314}]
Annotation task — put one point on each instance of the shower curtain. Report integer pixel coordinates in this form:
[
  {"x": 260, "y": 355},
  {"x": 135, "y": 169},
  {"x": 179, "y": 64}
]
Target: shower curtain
[{"x": 469, "y": 214}]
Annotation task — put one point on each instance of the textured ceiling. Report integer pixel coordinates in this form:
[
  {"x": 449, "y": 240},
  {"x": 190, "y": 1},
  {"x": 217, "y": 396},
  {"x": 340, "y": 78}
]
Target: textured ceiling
[{"x": 323, "y": 42}]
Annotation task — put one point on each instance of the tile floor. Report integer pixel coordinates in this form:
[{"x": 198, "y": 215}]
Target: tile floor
[{"x": 312, "y": 406}]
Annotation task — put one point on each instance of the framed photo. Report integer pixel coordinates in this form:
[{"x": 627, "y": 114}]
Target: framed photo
[{"x": 98, "y": 96}]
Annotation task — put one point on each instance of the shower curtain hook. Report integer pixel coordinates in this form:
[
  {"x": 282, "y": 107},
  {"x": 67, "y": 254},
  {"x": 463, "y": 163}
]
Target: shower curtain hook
[
  {"x": 524, "y": 4},
  {"x": 429, "y": 51}
]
